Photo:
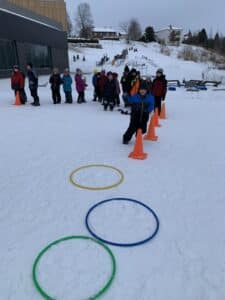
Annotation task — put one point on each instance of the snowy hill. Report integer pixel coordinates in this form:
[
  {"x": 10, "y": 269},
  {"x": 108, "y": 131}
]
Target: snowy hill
[
  {"x": 147, "y": 60},
  {"x": 182, "y": 181}
]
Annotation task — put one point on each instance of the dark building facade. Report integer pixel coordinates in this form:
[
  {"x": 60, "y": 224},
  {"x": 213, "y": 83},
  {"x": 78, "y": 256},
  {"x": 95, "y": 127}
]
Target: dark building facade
[{"x": 27, "y": 37}]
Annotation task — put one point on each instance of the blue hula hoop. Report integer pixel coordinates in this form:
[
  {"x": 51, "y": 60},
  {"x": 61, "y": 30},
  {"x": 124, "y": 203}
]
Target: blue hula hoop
[{"x": 122, "y": 244}]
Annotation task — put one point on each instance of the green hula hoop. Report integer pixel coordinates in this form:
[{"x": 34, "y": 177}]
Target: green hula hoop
[
  {"x": 40, "y": 255},
  {"x": 100, "y": 188}
]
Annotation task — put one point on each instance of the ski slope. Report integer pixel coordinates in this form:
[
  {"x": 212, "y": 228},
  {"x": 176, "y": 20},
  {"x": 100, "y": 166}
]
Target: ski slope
[{"x": 182, "y": 181}]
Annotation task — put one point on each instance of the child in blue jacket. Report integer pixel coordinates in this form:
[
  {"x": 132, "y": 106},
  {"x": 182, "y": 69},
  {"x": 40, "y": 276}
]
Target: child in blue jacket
[
  {"x": 67, "y": 86},
  {"x": 142, "y": 104}
]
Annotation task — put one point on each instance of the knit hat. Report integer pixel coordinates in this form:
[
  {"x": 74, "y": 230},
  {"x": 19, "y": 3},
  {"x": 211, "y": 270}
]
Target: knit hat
[
  {"x": 160, "y": 70},
  {"x": 30, "y": 65},
  {"x": 144, "y": 85},
  {"x": 126, "y": 69}
]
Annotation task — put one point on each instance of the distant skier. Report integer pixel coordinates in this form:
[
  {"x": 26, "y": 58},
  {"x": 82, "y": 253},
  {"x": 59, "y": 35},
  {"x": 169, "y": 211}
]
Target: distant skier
[
  {"x": 55, "y": 80},
  {"x": 142, "y": 104},
  {"x": 18, "y": 83},
  {"x": 159, "y": 89},
  {"x": 33, "y": 84},
  {"x": 109, "y": 92},
  {"x": 67, "y": 86}
]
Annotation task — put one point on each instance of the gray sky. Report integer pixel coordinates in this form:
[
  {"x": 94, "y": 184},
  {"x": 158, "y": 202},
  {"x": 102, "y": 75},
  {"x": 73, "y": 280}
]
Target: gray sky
[{"x": 193, "y": 14}]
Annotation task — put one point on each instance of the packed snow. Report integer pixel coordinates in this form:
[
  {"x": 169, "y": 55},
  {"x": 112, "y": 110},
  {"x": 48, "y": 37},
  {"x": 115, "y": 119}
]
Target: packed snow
[{"x": 182, "y": 181}]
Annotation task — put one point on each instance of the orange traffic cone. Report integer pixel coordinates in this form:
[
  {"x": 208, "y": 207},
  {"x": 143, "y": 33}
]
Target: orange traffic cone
[
  {"x": 156, "y": 118},
  {"x": 150, "y": 136},
  {"x": 17, "y": 101},
  {"x": 163, "y": 112},
  {"x": 138, "y": 152}
]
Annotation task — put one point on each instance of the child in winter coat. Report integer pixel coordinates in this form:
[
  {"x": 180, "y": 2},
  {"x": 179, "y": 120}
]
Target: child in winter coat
[
  {"x": 80, "y": 86},
  {"x": 125, "y": 85},
  {"x": 18, "y": 83},
  {"x": 142, "y": 104},
  {"x": 55, "y": 80},
  {"x": 159, "y": 89},
  {"x": 67, "y": 86},
  {"x": 109, "y": 92},
  {"x": 134, "y": 82},
  {"x": 33, "y": 84},
  {"x": 118, "y": 90},
  {"x": 95, "y": 81},
  {"x": 101, "y": 83}
]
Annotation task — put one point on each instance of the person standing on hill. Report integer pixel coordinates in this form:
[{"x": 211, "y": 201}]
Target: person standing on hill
[
  {"x": 142, "y": 104},
  {"x": 18, "y": 83},
  {"x": 80, "y": 86},
  {"x": 159, "y": 89},
  {"x": 67, "y": 86},
  {"x": 55, "y": 80},
  {"x": 33, "y": 84}
]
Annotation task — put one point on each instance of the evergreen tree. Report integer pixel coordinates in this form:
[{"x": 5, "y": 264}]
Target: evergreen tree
[
  {"x": 217, "y": 42},
  {"x": 149, "y": 35},
  {"x": 203, "y": 38}
]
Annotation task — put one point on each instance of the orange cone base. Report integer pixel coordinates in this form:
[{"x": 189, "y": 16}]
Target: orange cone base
[
  {"x": 141, "y": 156},
  {"x": 153, "y": 138}
]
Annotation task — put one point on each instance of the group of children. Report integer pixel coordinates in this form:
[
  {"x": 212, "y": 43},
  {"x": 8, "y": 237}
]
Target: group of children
[
  {"x": 55, "y": 80},
  {"x": 141, "y": 95},
  {"x": 106, "y": 89}
]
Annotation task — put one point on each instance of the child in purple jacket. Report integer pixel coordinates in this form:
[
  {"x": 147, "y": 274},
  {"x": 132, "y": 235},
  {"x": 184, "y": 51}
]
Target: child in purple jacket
[{"x": 80, "y": 86}]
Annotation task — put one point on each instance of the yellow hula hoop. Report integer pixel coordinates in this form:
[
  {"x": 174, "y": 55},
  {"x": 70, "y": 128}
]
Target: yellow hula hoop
[{"x": 100, "y": 188}]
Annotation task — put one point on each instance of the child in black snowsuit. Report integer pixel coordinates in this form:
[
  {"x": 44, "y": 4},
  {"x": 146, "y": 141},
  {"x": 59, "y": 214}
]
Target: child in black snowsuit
[
  {"x": 55, "y": 80},
  {"x": 109, "y": 92},
  {"x": 142, "y": 104}
]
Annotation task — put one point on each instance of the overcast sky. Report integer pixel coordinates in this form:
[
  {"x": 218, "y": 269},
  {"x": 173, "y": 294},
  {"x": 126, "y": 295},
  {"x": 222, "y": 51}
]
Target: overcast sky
[{"x": 193, "y": 14}]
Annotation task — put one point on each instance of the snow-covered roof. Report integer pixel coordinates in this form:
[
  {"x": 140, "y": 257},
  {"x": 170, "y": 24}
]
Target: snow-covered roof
[
  {"x": 104, "y": 29},
  {"x": 169, "y": 28}
]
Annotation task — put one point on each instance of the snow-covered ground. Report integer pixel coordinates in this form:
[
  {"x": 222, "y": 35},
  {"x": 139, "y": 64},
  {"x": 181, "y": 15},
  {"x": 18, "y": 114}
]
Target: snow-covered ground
[{"x": 182, "y": 181}]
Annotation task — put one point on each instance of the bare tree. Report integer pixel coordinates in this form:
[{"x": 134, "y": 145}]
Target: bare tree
[
  {"x": 124, "y": 26},
  {"x": 69, "y": 25},
  {"x": 134, "y": 30},
  {"x": 84, "y": 20}
]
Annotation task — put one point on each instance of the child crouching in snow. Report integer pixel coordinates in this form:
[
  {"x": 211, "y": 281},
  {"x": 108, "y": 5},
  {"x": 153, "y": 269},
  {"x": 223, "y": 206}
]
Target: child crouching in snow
[{"x": 142, "y": 104}]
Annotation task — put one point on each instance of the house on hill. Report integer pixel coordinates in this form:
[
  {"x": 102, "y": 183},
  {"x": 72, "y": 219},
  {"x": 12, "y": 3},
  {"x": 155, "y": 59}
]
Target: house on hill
[
  {"x": 170, "y": 36},
  {"x": 103, "y": 33}
]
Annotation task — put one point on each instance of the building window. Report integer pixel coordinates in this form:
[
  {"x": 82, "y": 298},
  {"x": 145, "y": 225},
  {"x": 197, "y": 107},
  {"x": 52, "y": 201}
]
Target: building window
[
  {"x": 39, "y": 56},
  {"x": 8, "y": 56}
]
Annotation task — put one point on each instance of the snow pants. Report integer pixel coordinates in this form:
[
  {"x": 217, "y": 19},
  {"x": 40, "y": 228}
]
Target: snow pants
[{"x": 136, "y": 122}]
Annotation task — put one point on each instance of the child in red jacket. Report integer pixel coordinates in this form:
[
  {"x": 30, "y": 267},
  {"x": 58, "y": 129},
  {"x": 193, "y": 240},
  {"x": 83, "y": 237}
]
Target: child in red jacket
[
  {"x": 18, "y": 83},
  {"x": 159, "y": 89}
]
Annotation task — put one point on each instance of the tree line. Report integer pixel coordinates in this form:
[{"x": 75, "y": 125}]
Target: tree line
[{"x": 203, "y": 39}]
